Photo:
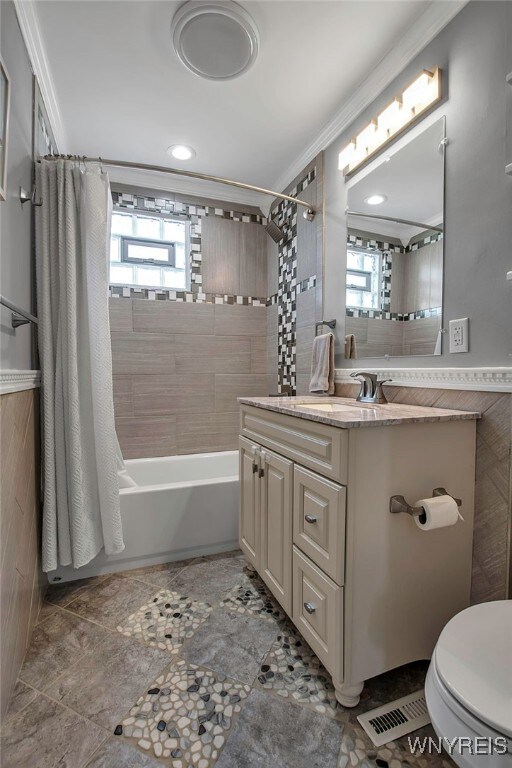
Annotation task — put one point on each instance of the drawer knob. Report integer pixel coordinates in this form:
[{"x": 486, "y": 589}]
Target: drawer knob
[
  {"x": 310, "y": 519},
  {"x": 310, "y": 608}
]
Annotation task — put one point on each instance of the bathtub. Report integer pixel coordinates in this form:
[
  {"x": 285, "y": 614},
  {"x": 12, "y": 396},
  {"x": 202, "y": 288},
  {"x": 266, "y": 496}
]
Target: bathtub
[{"x": 182, "y": 506}]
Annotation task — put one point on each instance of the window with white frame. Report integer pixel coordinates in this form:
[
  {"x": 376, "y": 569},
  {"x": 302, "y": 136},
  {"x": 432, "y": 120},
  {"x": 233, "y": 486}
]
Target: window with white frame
[
  {"x": 363, "y": 278},
  {"x": 149, "y": 251}
]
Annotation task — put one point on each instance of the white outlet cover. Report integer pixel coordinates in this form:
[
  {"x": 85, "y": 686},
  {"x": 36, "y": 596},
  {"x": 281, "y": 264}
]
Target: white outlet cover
[{"x": 459, "y": 335}]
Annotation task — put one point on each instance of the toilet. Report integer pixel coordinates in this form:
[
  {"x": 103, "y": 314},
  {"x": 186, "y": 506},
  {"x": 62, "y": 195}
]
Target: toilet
[{"x": 469, "y": 686}]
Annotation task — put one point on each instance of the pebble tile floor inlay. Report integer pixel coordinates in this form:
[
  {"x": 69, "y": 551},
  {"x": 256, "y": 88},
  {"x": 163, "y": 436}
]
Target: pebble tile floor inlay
[
  {"x": 293, "y": 671},
  {"x": 253, "y": 598},
  {"x": 185, "y": 715},
  {"x": 76, "y": 704},
  {"x": 167, "y": 621}
]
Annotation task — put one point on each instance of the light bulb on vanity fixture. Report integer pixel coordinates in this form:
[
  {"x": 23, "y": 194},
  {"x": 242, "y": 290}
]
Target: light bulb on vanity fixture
[{"x": 420, "y": 95}]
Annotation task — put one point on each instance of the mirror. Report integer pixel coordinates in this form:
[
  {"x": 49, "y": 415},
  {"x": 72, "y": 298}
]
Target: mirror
[{"x": 394, "y": 284}]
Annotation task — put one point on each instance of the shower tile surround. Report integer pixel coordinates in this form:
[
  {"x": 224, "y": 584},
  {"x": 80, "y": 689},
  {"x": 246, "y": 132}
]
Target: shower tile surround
[
  {"x": 181, "y": 358},
  {"x": 185, "y": 709}
]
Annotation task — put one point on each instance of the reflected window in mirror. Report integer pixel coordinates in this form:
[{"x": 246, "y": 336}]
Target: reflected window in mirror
[{"x": 363, "y": 278}]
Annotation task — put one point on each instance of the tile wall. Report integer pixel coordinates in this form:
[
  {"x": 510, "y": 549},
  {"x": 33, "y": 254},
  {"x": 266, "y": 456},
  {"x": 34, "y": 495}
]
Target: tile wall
[
  {"x": 180, "y": 360},
  {"x": 20, "y": 574}
]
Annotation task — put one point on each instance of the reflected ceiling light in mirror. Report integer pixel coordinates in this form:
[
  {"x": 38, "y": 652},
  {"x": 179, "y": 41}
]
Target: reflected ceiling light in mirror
[
  {"x": 375, "y": 199},
  {"x": 419, "y": 96},
  {"x": 181, "y": 152}
]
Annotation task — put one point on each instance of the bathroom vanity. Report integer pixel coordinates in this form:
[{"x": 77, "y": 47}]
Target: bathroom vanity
[{"x": 368, "y": 589}]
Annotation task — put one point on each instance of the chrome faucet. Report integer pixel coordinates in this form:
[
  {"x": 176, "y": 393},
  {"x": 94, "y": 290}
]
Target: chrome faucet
[{"x": 371, "y": 388}]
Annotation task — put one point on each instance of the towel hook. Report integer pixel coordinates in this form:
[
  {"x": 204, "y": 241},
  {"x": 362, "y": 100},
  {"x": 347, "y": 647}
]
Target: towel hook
[{"x": 25, "y": 197}]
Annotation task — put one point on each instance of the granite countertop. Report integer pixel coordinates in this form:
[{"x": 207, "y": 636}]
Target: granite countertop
[{"x": 347, "y": 413}]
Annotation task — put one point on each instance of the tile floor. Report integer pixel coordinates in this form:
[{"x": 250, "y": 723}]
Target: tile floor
[{"x": 186, "y": 665}]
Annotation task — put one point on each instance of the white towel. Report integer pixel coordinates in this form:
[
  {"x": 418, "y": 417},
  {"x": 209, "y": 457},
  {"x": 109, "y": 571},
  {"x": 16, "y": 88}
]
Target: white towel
[{"x": 322, "y": 365}]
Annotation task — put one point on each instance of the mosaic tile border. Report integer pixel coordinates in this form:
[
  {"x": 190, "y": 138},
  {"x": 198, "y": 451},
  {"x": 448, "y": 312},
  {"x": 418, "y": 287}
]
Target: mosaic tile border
[
  {"x": 377, "y": 314},
  {"x": 153, "y": 294},
  {"x": 146, "y": 203},
  {"x": 434, "y": 238},
  {"x": 285, "y": 213}
]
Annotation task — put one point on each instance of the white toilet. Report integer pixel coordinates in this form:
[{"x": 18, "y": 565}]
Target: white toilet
[{"x": 469, "y": 685}]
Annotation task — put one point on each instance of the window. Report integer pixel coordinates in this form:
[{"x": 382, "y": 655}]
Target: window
[
  {"x": 149, "y": 251},
  {"x": 363, "y": 278}
]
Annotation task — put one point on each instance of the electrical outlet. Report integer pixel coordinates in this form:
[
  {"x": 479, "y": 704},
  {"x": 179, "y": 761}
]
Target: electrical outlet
[{"x": 459, "y": 335}]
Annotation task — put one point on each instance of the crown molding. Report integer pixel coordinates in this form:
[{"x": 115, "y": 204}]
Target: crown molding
[
  {"x": 478, "y": 379},
  {"x": 186, "y": 186},
  {"x": 30, "y": 30},
  {"x": 17, "y": 381},
  {"x": 417, "y": 37}
]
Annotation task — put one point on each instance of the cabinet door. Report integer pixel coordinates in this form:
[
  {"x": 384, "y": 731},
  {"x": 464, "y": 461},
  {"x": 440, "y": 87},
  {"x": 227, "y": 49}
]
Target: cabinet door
[
  {"x": 249, "y": 518},
  {"x": 276, "y": 526}
]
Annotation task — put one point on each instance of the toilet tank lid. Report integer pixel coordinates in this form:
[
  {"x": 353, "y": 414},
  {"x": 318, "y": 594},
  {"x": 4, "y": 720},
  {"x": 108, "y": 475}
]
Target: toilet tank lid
[{"x": 474, "y": 660}]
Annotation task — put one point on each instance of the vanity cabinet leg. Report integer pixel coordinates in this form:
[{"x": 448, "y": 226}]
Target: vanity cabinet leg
[{"x": 348, "y": 696}]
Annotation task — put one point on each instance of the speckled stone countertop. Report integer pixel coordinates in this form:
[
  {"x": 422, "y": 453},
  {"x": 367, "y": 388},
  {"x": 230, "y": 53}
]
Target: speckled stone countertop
[{"x": 347, "y": 413}]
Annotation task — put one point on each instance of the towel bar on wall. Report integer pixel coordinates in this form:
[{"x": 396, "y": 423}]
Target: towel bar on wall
[
  {"x": 19, "y": 316},
  {"x": 329, "y": 323}
]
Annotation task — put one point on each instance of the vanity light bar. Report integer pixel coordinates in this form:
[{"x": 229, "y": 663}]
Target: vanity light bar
[{"x": 403, "y": 110}]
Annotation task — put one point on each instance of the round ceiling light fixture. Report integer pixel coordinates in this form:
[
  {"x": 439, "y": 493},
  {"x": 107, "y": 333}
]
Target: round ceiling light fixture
[
  {"x": 375, "y": 199},
  {"x": 215, "y": 40},
  {"x": 181, "y": 152}
]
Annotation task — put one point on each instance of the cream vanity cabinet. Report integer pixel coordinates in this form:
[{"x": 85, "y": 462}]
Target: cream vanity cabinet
[{"x": 369, "y": 591}]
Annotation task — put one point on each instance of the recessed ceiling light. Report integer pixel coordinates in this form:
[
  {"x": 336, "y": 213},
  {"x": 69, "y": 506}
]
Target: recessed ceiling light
[
  {"x": 375, "y": 199},
  {"x": 181, "y": 152},
  {"x": 215, "y": 40}
]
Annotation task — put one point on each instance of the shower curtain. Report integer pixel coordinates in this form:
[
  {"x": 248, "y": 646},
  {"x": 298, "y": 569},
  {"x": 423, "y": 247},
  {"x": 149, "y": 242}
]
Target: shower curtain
[{"x": 81, "y": 456}]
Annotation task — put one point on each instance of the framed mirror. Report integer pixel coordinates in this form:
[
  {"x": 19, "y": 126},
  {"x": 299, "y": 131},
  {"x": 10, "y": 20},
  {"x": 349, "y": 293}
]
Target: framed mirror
[{"x": 394, "y": 281}]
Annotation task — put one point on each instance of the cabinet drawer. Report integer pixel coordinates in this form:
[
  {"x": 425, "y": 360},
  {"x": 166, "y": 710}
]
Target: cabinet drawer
[
  {"x": 319, "y": 521},
  {"x": 317, "y": 446},
  {"x": 318, "y": 612}
]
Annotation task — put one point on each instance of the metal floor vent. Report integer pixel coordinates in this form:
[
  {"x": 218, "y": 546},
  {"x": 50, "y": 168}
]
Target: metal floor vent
[{"x": 395, "y": 719}]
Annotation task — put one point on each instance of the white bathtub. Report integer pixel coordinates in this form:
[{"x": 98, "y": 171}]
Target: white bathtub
[{"x": 183, "y": 506}]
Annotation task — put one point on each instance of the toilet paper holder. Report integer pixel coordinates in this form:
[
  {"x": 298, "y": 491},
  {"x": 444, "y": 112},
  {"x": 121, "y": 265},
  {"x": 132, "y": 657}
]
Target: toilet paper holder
[{"x": 399, "y": 504}]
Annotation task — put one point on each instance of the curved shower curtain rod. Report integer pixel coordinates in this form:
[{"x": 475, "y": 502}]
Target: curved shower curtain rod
[
  {"x": 418, "y": 224},
  {"x": 309, "y": 212}
]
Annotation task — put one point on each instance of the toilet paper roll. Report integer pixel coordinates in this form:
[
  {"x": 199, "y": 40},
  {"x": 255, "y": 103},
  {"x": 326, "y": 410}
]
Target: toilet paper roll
[{"x": 440, "y": 512}]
